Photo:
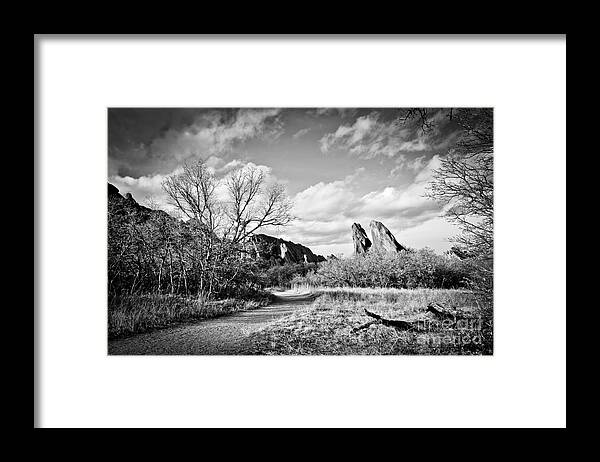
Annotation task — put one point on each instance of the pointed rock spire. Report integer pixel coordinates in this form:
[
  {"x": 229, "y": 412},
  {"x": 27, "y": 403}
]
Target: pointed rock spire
[
  {"x": 361, "y": 241},
  {"x": 383, "y": 238}
]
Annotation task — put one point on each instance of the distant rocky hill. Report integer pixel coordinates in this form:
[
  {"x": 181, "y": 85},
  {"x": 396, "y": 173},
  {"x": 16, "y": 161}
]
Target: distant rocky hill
[
  {"x": 282, "y": 251},
  {"x": 381, "y": 238},
  {"x": 128, "y": 202}
]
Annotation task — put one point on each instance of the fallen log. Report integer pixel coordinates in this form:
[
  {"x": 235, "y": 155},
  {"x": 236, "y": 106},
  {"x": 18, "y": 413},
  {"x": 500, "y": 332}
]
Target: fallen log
[
  {"x": 395, "y": 323},
  {"x": 442, "y": 312},
  {"x": 364, "y": 326},
  {"x": 437, "y": 309}
]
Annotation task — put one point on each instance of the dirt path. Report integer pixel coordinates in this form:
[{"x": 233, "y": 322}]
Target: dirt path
[{"x": 226, "y": 335}]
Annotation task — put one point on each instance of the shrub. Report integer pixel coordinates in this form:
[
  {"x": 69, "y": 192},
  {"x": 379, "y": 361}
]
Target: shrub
[
  {"x": 421, "y": 268},
  {"x": 283, "y": 275}
]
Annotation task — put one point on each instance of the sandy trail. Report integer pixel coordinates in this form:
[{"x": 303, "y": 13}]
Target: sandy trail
[{"x": 227, "y": 335}]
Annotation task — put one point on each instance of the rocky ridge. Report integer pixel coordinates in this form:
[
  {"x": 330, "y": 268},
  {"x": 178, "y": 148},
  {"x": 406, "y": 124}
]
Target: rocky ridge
[{"x": 282, "y": 251}]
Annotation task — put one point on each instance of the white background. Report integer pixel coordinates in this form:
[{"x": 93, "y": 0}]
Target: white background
[{"x": 522, "y": 384}]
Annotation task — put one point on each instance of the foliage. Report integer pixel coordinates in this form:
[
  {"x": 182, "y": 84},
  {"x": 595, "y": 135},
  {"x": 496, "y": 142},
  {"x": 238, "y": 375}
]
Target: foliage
[
  {"x": 421, "y": 268},
  {"x": 150, "y": 252},
  {"x": 281, "y": 276}
]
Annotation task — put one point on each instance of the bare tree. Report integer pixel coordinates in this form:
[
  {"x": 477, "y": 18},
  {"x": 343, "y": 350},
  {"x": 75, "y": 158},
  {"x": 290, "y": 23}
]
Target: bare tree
[
  {"x": 423, "y": 117},
  {"x": 466, "y": 186},
  {"x": 151, "y": 202},
  {"x": 249, "y": 203},
  {"x": 193, "y": 193},
  {"x": 228, "y": 211},
  {"x": 254, "y": 204},
  {"x": 464, "y": 183}
]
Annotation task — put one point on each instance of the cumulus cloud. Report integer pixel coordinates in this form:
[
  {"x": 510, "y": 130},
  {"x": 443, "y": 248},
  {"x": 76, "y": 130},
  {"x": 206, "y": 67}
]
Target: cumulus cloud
[
  {"x": 139, "y": 151},
  {"x": 367, "y": 137},
  {"x": 323, "y": 201},
  {"x": 371, "y": 137},
  {"x": 210, "y": 134},
  {"x": 220, "y": 167},
  {"x": 410, "y": 203},
  {"x": 434, "y": 233},
  {"x": 142, "y": 188}
]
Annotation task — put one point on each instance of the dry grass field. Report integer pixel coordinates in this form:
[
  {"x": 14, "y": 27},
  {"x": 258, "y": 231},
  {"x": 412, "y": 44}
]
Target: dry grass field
[{"x": 330, "y": 325}]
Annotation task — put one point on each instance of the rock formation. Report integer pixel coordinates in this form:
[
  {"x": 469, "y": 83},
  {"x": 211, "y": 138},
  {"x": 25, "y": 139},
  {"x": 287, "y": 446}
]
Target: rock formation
[
  {"x": 282, "y": 251},
  {"x": 361, "y": 241},
  {"x": 383, "y": 238}
]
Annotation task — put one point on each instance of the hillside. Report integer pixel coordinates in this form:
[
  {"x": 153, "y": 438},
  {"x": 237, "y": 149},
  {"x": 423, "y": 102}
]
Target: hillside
[{"x": 269, "y": 248}]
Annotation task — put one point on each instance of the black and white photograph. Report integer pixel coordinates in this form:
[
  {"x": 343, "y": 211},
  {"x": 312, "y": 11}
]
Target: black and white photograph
[
  {"x": 288, "y": 231},
  {"x": 300, "y": 231}
]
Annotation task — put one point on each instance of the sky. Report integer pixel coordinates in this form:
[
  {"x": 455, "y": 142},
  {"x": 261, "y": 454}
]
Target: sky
[{"x": 339, "y": 165}]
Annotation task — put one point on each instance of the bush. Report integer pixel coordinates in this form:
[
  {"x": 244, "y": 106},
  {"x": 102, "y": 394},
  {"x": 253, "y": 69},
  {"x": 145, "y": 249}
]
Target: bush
[
  {"x": 282, "y": 275},
  {"x": 408, "y": 270}
]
